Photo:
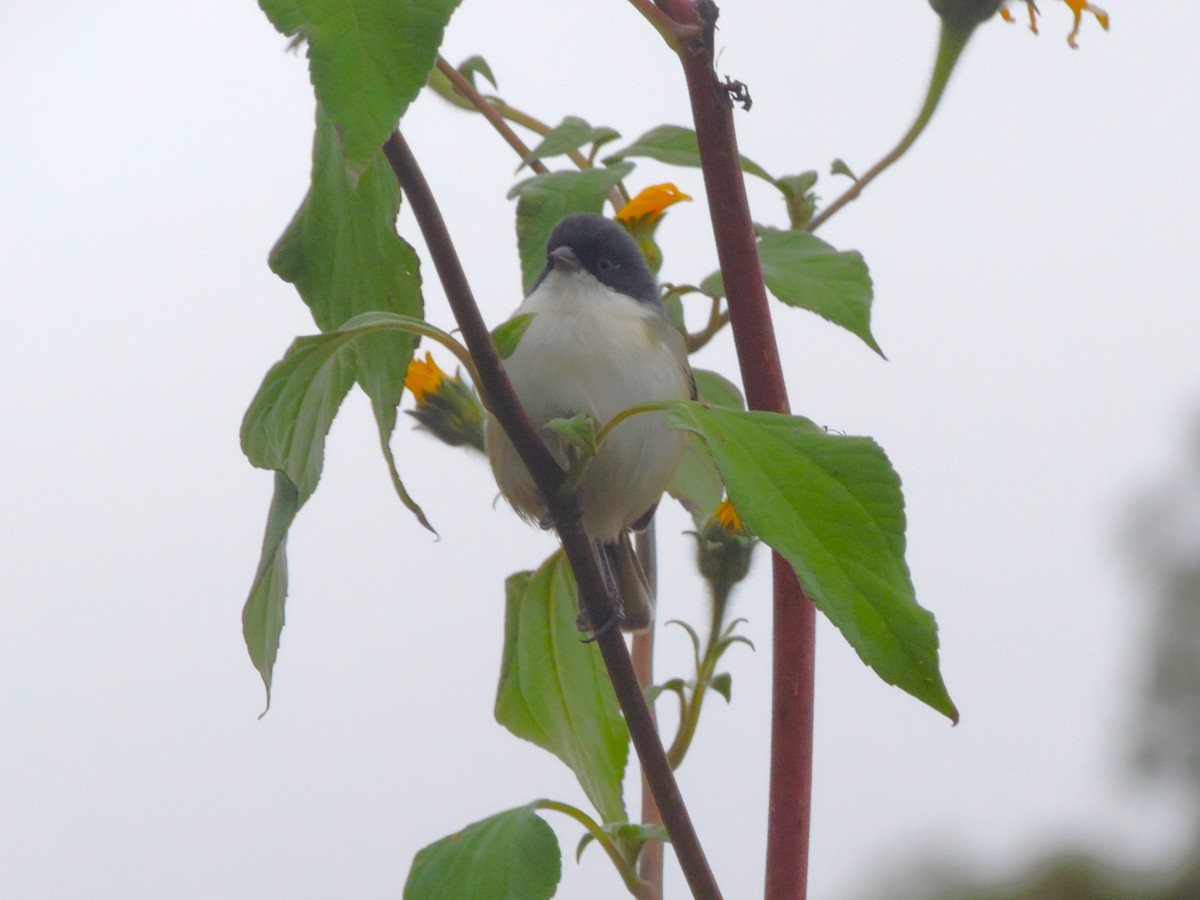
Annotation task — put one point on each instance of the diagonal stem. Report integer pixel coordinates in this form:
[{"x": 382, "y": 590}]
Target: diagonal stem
[{"x": 501, "y": 401}]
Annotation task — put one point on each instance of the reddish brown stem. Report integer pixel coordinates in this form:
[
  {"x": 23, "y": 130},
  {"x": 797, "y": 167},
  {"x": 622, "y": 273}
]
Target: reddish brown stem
[
  {"x": 501, "y": 401},
  {"x": 762, "y": 376},
  {"x": 650, "y": 863}
]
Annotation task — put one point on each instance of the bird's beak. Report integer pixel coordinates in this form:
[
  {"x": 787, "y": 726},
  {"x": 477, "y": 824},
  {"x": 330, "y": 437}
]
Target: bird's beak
[{"x": 563, "y": 259}]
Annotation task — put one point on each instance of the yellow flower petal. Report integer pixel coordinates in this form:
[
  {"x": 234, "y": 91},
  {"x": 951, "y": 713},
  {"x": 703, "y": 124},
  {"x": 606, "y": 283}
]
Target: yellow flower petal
[
  {"x": 1077, "y": 9},
  {"x": 651, "y": 203},
  {"x": 423, "y": 377},
  {"x": 728, "y": 516}
]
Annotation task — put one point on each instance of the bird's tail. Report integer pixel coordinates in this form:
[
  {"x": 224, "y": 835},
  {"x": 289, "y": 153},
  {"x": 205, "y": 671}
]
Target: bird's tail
[{"x": 637, "y": 599}]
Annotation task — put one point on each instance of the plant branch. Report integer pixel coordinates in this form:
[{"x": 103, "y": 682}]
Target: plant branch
[
  {"x": 950, "y": 47},
  {"x": 476, "y": 99},
  {"x": 675, "y": 24},
  {"x": 496, "y": 111},
  {"x": 598, "y": 603},
  {"x": 762, "y": 376}
]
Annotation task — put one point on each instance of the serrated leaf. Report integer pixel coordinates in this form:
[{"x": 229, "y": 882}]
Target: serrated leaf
[
  {"x": 570, "y": 134},
  {"x": 512, "y": 855},
  {"x": 831, "y": 504},
  {"x": 262, "y": 615},
  {"x": 697, "y": 483},
  {"x": 285, "y": 426},
  {"x": 284, "y": 429},
  {"x": 507, "y": 335},
  {"x": 804, "y": 271},
  {"x": 677, "y": 146},
  {"x": 343, "y": 255},
  {"x": 554, "y": 688},
  {"x": 723, "y": 685},
  {"x": 368, "y": 60},
  {"x": 544, "y": 199},
  {"x": 476, "y": 64}
]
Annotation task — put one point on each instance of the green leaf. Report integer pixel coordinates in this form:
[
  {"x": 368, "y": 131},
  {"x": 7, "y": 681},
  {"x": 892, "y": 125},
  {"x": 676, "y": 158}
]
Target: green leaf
[
  {"x": 675, "y": 685},
  {"x": 839, "y": 167},
  {"x": 723, "y": 685},
  {"x": 284, "y": 429},
  {"x": 576, "y": 436},
  {"x": 717, "y": 390},
  {"x": 677, "y": 146},
  {"x": 342, "y": 253},
  {"x": 804, "y": 271},
  {"x": 554, "y": 688},
  {"x": 262, "y": 616},
  {"x": 477, "y": 64},
  {"x": 544, "y": 199},
  {"x": 285, "y": 15},
  {"x": 368, "y": 60},
  {"x": 507, "y": 335},
  {"x": 512, "y": 855},
  {"x": 697, "y": 483},
  {"x": 797, "y": 185},
  {"x": 832, "y": 505},
  {"x": 570, "y": 134}
]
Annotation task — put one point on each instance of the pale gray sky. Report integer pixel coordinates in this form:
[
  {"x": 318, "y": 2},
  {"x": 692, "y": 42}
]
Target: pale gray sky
[{"x": 1036, "y": 282}]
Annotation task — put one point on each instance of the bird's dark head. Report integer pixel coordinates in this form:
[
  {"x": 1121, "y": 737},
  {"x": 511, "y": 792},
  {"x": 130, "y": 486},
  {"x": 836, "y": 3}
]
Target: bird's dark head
[{"x": 601, "y": 247}]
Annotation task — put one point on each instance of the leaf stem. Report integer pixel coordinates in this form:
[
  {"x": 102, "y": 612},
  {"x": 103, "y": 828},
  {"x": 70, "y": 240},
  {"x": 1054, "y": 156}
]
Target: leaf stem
[
  {"x": 378, "y": 320},
  {"x": 496, "y": 111},
  {"x": 635, "y": 885},
  {"x": 951, "y": 44},
  {"x": 501, "y": 401},
  {"x": 690, "y": 716}
]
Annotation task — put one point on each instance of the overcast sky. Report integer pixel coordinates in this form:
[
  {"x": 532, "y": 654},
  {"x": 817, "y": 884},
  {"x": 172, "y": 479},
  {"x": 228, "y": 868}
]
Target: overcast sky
[{"x": 1036, "y": 293}]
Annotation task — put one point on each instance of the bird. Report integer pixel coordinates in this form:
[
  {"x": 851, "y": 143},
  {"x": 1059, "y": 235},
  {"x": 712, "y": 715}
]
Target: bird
[{"x": 597, "y": 342}]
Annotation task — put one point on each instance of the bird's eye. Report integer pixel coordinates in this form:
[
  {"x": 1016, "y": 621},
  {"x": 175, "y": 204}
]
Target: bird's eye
[{"x": 604, "y": 264}]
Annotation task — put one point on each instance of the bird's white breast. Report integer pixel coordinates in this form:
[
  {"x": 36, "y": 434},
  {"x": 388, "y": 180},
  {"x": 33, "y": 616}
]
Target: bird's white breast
[{"x": 592, "y": 350}]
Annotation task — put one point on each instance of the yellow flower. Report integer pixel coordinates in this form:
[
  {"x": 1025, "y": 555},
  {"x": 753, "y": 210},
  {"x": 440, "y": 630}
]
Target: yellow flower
[
  {"x": 423, "y": 377},
  {"x": 727, "y": 516},
  {"x": 1078, "y": 8},
  {"x": 446, "y": 406},
  {"x": 650, "y": 204}
]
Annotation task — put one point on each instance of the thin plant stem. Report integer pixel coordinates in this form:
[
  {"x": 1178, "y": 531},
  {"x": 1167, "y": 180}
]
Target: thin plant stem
[
  {"x": 950, "y": 47},
  {"x": 635, "y": 885},
  {"x": 650, "y": 863},
  {"x": 598, "y": 603},
  {"x": 497, "y": 111}
]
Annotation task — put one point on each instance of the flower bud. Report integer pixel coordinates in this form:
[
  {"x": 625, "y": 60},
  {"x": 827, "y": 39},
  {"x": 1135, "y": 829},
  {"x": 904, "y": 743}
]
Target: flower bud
[
  {"x": 641, "y": 217},
  {"x": 446, "y": 406},
  {"x": 724, "y": 548},
  {"x": 965, "y": 14}
]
